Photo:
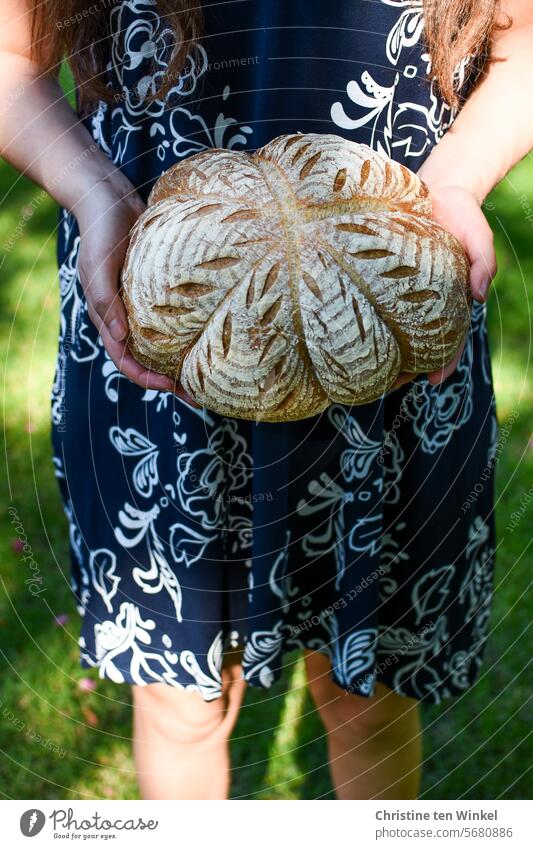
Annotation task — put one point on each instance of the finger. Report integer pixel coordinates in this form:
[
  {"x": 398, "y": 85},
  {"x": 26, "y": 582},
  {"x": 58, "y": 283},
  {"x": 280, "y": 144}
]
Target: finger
[
  {"x": 482, "y": 272},
  {"x": 482, "y": 256},
  {"x": 143, "y": 377},
  {"x": 436, "y": 377},
  {"x": 106, "y": 310},
  {"x": 100, "y": 284},
  {"x": 128, "y": 366}
]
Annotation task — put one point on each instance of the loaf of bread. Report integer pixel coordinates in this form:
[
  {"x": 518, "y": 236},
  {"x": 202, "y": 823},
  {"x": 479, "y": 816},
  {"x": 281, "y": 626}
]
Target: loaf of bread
[{"x": 275, "y": 283}]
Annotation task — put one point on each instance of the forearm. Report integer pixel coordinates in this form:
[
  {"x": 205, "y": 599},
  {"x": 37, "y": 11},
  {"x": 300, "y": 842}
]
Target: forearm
[
  {"x": 494, "y": 129},
  {"x": 41, "y": 135}
]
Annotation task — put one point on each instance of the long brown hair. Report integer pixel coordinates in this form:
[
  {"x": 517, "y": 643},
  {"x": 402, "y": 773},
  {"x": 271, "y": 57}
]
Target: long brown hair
[{"x": 454, "y": 30}]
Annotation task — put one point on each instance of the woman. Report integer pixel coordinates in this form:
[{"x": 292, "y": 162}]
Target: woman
[{"x": 204, "y": 547}]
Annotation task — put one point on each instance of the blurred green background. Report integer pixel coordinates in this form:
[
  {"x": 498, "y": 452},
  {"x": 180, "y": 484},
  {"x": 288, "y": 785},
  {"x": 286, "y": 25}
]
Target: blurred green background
[{"x": 475, "y": 746}]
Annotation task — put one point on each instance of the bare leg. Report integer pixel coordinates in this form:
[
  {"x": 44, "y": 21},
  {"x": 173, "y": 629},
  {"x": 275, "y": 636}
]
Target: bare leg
[
  {"x": 374, "y": 744},
  {"x": 180, "y": 741}
]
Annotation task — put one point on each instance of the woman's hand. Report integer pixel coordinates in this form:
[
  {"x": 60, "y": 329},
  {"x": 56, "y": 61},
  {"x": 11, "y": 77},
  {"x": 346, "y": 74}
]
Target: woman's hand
[
  {"x": 458, "y": 211},
  {"x": 105, "y": 216}
]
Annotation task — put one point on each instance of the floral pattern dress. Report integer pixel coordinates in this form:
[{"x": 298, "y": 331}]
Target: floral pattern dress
[{"x": 365, "y": 533}]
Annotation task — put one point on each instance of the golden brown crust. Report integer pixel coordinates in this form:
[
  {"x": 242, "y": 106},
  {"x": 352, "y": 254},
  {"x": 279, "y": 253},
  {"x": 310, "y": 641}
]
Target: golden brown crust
[{"x": 272, "y": 284}]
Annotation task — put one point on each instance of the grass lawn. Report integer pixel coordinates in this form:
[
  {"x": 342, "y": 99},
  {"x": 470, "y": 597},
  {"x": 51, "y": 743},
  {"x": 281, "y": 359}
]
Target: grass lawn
[{"x": 58, "y": 741}]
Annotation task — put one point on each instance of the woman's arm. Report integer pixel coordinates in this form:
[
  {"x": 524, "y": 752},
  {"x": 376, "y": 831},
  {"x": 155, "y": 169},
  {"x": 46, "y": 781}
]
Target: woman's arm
[
  {"x": 42, "y": 137},
  {"x": 492, "y": 132}
]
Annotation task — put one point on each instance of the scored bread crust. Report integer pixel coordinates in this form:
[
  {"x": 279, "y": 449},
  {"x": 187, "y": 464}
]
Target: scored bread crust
[{"x": 273, "y": 284}]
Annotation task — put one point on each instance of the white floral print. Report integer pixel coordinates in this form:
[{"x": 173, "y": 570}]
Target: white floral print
[{"x": 189, "y": 534}]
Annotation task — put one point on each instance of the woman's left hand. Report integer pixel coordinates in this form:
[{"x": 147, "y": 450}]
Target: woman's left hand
[{"x": 458, "y": 211}]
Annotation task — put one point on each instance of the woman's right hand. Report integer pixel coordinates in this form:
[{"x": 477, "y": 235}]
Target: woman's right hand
[
  {"x": 105, "y": 216},
  {"x": 43, "y": 137}
]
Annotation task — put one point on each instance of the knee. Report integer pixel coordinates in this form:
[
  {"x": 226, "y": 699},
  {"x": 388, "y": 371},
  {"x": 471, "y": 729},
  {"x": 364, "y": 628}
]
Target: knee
[
  {"x": 177, "y": 717},
  {"x": 354, "y": 717}
]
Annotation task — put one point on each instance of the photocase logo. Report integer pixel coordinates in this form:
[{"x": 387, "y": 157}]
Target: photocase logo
[{"x": 32, "y": 822}]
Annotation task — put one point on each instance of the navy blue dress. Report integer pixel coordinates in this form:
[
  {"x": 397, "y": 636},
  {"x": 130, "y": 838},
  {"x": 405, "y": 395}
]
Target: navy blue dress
[{"x": 365, "y": 533}]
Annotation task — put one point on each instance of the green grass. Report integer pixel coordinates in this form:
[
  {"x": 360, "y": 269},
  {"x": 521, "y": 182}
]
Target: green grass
[{"x": 475, "y": 746}]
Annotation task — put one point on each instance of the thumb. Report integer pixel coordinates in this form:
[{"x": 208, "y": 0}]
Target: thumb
[
  {"x": 105, "y": 305},
  {"x": 482, "y": 271},
  {"x": 482, "y": 256}
]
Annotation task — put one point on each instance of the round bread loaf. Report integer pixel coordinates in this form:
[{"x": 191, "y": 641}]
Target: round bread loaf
[{"x": 309, "y": 272}]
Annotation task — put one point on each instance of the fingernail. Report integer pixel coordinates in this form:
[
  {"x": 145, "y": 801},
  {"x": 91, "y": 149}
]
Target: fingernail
[
  {"x": 483, "y": 289},
  {"x": 117, "y": 330}
]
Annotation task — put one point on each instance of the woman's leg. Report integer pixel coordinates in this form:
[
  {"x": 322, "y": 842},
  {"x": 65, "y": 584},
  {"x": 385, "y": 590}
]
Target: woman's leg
[
  {"x": 180, "y": 742},
  {"x": 374, "y": 744}
]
